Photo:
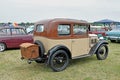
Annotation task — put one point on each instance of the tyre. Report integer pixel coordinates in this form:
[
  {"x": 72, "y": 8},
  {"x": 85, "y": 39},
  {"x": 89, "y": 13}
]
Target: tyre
[
  {"x": 102, "y": 52},
  {"x": 59, "y": 60},
  {"x": 112, "y": 40},
  {"x": 2, "y": 47},
  {"x": 39, "y": 61}
]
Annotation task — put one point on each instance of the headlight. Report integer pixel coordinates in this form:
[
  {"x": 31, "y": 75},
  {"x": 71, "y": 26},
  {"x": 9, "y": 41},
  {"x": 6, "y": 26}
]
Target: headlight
[{"x": 101, "y": 38}]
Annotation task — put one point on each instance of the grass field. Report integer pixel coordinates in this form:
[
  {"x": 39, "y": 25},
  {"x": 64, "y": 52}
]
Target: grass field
[{"x": 13, "y": 68}]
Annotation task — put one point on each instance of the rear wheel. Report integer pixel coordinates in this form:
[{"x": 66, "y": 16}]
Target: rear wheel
[
  {"x": 39, "y": 61},
  {"x": 59, "y": 60},
  {"x": 102, "y": 52},
  {"x": 2, "y": 47},
  {"x": 112, "y": 40}
]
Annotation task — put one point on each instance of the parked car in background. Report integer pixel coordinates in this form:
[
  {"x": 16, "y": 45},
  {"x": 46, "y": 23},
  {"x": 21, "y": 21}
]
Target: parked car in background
[
  {"x": 30, "y": 29},
  {"x": 12, "y": 37},
  {"x": 114, "y": 35},
  {"x": 98, "y": 30},
  {"x": 60, "y": 40}
]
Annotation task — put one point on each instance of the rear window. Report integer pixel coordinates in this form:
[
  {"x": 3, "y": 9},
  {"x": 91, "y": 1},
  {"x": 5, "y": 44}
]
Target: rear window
[
  {"x": 40, "y": 28},
  {"x": 18, "y": 32},
  {"x": 63, "y": 29}
]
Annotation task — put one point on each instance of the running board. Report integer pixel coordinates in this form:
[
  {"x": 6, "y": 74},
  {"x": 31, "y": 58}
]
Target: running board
[{"x": 82, "y": 56}]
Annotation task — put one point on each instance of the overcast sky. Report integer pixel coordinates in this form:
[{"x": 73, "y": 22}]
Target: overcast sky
[{"x": 35, "y": 10}]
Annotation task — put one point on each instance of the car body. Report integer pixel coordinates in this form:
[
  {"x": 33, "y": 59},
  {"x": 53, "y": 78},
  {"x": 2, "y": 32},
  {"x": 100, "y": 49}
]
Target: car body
[
  {"x": 113, "y": 35},
  {"x": 62, "y": 39},
  {"x": 12, "y": 37}
]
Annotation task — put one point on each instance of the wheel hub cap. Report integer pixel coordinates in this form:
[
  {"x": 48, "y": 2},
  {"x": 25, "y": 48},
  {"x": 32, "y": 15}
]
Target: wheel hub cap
[{"x": 1, "y": 47}]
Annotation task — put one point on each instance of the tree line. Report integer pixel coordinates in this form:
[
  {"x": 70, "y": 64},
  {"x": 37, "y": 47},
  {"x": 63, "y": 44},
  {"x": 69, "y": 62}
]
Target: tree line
[{"x": 20, "y": 24}]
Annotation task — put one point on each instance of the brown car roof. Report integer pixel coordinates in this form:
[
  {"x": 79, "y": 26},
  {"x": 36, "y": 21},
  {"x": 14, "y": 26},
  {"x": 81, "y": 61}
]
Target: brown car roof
[
  {"x": 50, "y": 30},
  {"x": 61, "y": 20}
]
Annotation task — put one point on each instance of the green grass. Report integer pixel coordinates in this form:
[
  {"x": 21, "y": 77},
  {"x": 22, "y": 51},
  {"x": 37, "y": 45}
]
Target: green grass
[{"x": 13, "y": 68}]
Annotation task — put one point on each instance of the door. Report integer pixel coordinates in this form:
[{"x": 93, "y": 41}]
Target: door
[
  {"x": 16, "y": 39},
  {"x": 19, "y": 36},
  {"x": 80, "y": 40}
]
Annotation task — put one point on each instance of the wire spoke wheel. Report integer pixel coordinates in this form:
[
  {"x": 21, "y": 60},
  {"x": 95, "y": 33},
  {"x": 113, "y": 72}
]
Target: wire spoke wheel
[
  {"x": 59, "y": 60},
  {"x": 102, "y": 52}
]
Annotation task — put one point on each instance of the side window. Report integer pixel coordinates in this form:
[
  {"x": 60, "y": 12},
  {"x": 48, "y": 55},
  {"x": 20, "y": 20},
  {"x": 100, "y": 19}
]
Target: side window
[
  {"x": 40, "y": 28},
  {"x": 4, "y": 32},
  {"x": 63, "y": 29},
  {"x": 8, "y": 31},
  {"x": 21, "y": 31},
  {"x": 79, "y": 29},
  {"x": 18, "y": 32}
]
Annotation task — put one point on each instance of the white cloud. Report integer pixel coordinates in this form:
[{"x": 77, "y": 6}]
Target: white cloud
[{"x": 32, "y": 10}]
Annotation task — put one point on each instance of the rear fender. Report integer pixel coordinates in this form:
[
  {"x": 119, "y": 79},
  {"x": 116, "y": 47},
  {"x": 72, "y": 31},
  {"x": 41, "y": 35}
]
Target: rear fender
[
  {"x": 41, "y": 48},
  {"x": 94, "y": 49},
  {"x": 58, "y": 47}
]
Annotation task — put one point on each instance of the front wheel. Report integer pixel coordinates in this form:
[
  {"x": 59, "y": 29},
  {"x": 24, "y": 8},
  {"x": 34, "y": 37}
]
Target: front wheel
[
  {"x": 112, "y": 40},
  {"x": 59, "y": 60},
  {"x": 2, "y": 47},
  {"x": 102, "y": 52}
]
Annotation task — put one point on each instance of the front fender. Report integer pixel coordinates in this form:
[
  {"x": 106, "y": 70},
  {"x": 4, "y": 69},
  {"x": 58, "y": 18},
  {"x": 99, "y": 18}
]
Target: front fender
[
  {"x": 54, "y": 49},
  {"x": 94, "y": 49}
]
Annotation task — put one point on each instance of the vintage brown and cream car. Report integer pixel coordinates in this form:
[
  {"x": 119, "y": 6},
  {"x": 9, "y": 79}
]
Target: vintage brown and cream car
[{"x": 56, "y": 41}]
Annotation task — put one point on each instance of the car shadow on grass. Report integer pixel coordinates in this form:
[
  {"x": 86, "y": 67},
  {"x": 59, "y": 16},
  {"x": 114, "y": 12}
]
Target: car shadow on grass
[
  {"x": 11, "y": 49},
  {"x": 43, "y": 67},
  {"x": 73, "y": 62},
  {"x": 82, "y": 61}
]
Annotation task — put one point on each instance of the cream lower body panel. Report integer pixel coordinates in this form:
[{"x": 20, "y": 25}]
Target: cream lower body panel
[
  {"x": 77, "y": 47},
  {"x": 80, "y": 46}
]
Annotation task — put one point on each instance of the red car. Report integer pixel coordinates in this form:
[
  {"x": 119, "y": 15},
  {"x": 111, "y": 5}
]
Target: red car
[
  {"x": 98, "y": 30},
  {"x": 12, "y": 37}
]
